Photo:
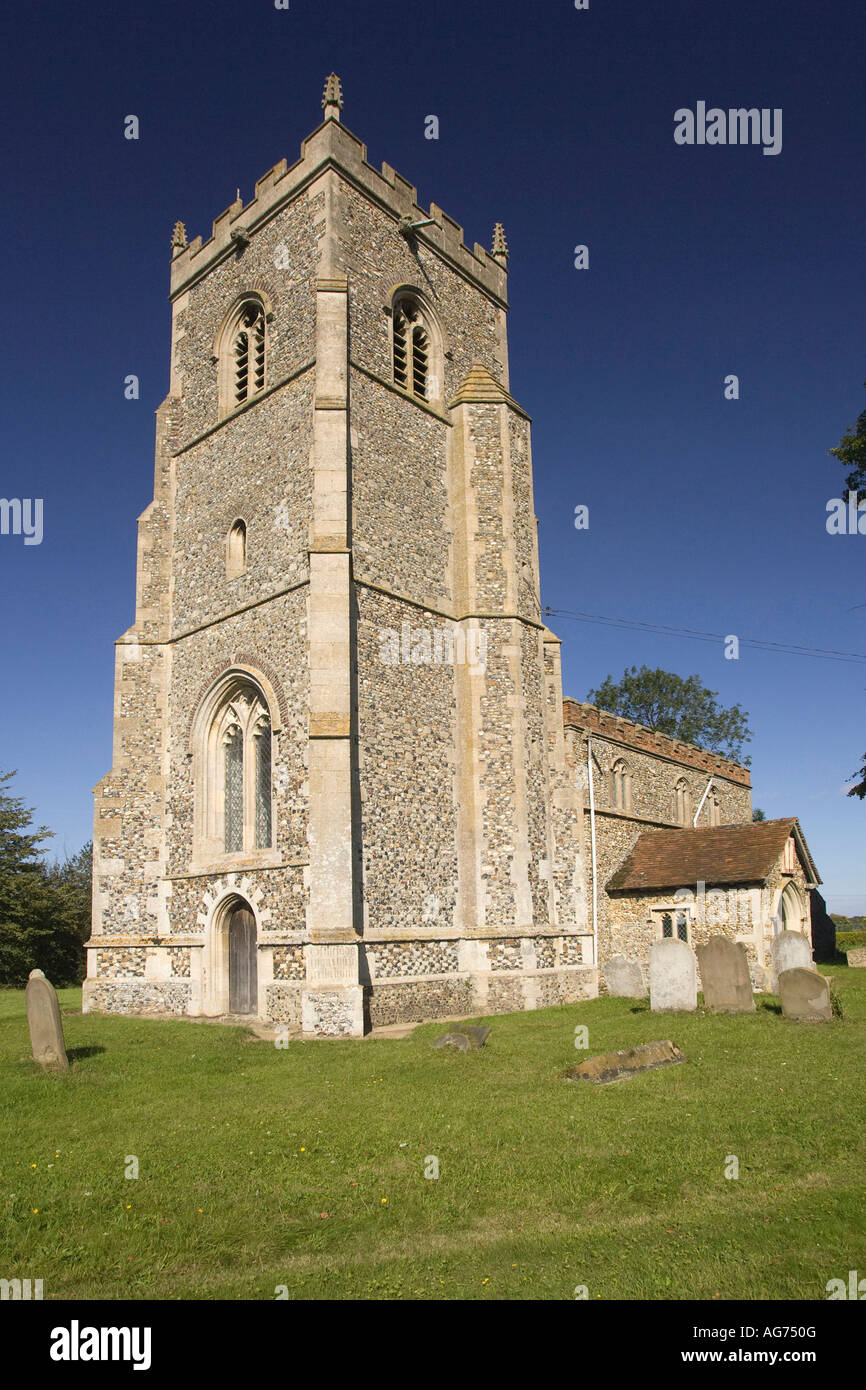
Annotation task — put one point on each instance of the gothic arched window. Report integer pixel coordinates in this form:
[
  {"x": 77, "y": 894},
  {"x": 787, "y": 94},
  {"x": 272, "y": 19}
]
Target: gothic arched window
[
  {"x": 242, "y": 354},
  {"x": 411, "y": 347},
  {"x": 237, "y": 768},
  {"x": 620, "y": 786},
  {"x": 714, "y": 809},
  {"x": 236, "y": 550},
  {"x": 682, "y": 802}
]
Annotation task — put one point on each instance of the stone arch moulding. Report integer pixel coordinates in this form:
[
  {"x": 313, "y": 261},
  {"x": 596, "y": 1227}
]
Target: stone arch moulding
[
  {"x": 434, "y": 393},
  {"x": 223, "y": 356},
  {"x": 215, "y": 973},
  {"x": 426, "y": 303},
  {"x": 251, "y": 292},
  {"x": 242, "y": 667},
  {"x": 790, "y": 911}
]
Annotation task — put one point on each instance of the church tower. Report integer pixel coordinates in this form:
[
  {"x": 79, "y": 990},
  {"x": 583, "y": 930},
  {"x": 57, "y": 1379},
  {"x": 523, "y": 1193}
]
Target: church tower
[{"x": 339, "y": 794}]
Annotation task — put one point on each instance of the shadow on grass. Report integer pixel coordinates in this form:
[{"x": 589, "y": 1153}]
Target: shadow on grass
[
  {"x": 77, "y": 1054},
  {"x": 769, "y": 1006}
]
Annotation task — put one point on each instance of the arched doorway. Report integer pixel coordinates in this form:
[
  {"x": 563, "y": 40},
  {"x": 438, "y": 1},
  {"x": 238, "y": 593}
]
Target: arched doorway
[
  {"x": 243, "y": 972},
  {"x": 790, "y": 915}
]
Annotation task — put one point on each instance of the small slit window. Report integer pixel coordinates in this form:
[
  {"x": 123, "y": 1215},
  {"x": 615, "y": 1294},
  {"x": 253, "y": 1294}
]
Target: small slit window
[{"x": 236, "y": 550}]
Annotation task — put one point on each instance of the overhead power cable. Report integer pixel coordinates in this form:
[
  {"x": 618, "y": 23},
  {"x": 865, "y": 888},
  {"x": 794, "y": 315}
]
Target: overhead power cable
[{"x": 695, "y": 635}]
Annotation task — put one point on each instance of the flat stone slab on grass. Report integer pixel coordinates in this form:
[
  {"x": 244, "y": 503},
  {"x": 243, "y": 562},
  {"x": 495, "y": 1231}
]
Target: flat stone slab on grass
[
  {"x": 464, "y": 1039},
  {"x": 618, "y": 1066},
  {"x": 857, "y": 958},
  {"x": 805, "y": 995}
]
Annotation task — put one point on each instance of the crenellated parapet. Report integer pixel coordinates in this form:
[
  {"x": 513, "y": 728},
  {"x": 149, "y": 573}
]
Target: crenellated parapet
[
  {"x": 332, "y": 146},
  {"x": 592, "y": 720}
]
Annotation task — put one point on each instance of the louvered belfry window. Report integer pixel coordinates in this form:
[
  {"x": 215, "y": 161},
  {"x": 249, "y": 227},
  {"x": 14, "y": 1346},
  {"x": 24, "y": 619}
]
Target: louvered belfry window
[
  {"x": 249, "y": 353},
  {"x": 411, "y": 349}
]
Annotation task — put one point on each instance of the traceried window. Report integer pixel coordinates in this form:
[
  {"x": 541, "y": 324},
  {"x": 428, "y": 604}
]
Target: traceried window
[
  {"x": 241, "y": 800},
  {"x": 411, "y": 348},
  {"x": 620, "y": 786},
  {"x": 682, "y": 802}
]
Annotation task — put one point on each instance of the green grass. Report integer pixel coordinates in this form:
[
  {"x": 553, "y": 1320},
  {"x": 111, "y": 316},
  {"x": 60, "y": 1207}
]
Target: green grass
[{"x": 544, "y": 1184}]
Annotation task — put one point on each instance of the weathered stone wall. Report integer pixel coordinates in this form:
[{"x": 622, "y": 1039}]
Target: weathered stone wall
[
  {"x": 281, "y": 264},
  {"x": 400, "y": 540},
  {"x": 406, "y": 775},
  {"x": 255, "y": 467},
  {"x": 377, "y": 258}
]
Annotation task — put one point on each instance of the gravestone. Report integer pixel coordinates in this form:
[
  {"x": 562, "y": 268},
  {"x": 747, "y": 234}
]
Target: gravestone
[
  {"x": 725, "y": 976},
  {"x": 617, "y": 1066},
  {"x": 624, "y": 978},
  {"x": 467, "y": 1039},
  {"x": 857, "y": 958},
  {"x": 790, "y": 950},
  {"x": 673, "y": 976},
  {"x": 43, "y": 1018},
  {"x": 805, "y": 995}
]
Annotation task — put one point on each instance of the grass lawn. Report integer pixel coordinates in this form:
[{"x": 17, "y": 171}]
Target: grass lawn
[{"x": 305, "y": 1167}]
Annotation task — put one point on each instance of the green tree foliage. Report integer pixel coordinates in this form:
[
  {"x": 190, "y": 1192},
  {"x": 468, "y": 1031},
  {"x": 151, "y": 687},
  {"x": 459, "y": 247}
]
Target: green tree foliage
[
  {"x": 859, "y": 788},
  {"x": 44, "y": 909},
  {"x": 851, "y": 453},
  {"x": 758, "y": 814},
  {"x": 679, "y": 706}
]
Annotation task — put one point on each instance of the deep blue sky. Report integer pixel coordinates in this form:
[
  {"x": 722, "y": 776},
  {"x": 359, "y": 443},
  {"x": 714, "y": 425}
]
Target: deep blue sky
[{"x": 704, "y": 513}]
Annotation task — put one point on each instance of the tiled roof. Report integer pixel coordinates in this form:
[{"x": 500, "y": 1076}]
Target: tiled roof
[{"x": 721, "y": 854}]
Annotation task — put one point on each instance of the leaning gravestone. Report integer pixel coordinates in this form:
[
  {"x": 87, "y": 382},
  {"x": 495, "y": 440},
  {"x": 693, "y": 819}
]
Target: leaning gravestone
[
  {"x": 624, "y": 978},
  {"x": 43, "y": 1018},
  {"x": 791, "y": 950},
  {"x": 805, "y": 995},
  {"x": 725, "y": 976},
  {"x": 673, "y": 976}
]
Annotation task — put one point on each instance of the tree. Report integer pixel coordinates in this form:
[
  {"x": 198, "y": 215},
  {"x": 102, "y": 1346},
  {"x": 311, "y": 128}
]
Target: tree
[
  {"x": 44, "y": 910},
  {"x": 758, "y": 814},
  {"x": 859, "y": 788},
  {"x": 851, "y": 452},
  {"x": 678, "y": 706}
]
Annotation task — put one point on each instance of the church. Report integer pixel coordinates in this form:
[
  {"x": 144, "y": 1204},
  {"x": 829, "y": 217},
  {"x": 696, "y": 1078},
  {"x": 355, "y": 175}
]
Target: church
[{"x": 346, "y": 790}]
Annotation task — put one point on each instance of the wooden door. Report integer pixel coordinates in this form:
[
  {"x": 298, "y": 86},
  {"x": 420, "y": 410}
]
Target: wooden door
[{"x": 242, "y": 962}]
